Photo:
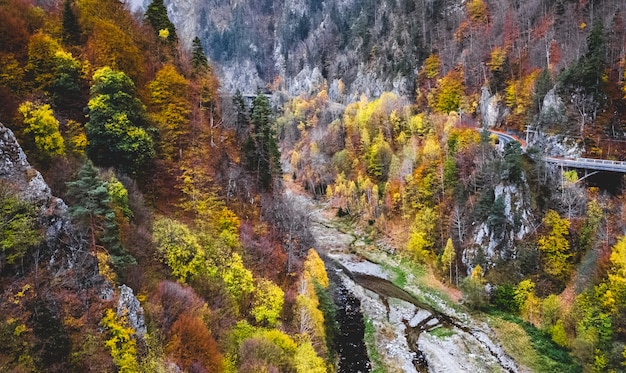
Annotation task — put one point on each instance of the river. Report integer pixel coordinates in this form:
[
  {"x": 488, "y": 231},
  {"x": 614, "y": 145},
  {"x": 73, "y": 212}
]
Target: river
[{"x": 413, "y": 330}]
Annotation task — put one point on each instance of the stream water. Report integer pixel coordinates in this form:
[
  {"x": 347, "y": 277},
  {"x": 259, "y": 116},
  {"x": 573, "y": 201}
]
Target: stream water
[{"x": 401, "y": 321}]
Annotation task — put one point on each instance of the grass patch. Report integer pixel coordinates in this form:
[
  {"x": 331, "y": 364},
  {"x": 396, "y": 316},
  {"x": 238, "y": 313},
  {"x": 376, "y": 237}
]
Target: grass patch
[
  {"x": 442, "y": 332},
  {"x": 398, "y": 277},
  {"x": 370, "y": 342},
  {"x": 532, "y": 347}
]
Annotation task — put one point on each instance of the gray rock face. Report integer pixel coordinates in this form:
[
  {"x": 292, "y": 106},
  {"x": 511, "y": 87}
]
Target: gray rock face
[
  {"x": 492, "y": 111},
  {"x": 128, "y": 306},
  {"x": 517, "y": 226},
  {"x": 62, "y": 249},
  {"x": 30, "y": 186}
]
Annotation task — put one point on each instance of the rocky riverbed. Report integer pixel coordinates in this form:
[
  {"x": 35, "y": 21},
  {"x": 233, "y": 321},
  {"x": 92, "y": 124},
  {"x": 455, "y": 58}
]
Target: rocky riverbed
[{"x": 414, "y": 330}]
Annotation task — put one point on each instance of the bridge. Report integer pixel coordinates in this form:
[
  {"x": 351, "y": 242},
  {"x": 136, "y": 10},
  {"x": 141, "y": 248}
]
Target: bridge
[
  {"x": 580, "y": 163},
  {"x": 588, "y": 164}
]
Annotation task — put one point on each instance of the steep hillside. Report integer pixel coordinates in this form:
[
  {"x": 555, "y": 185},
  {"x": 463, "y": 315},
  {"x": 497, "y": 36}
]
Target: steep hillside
[
  {"x": 377, "y": 46},
  {"x": 174, "y": 244}
]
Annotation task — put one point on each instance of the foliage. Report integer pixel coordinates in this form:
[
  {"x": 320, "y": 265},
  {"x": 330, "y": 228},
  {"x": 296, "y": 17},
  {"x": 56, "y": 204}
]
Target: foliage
[
  {"x": 473, "y": 287},
  {"x": 477, "y": 11},
  {"x": 71, "y": 28},
  {"x": 503, "y": 298},
  {"x": 121, "y": 342},
  {"x": 314, "y": 269},
  {"x": 451, "y": 92},
  {"x": 110, "y": 45},
  {"x": 237, "y": 278},
  {"x": 156, "y": 14},
  {"x": 198, "y": 58},
  {"x": 94, "y": 211},
  {"x": 41, "y": 64},
  {"x": 432, "y": 66},
  {"x": 115, "y": 127},
  {"x": 192, "y": 345},
  {"x": 588, "y": 71},
  {"x": 555, "y": 245},
  {"x": 18, "y": 226},
  {"x": 170, "y": 110},
  {"x": 178, "y": 248},
  {"x": 267, "y": 304},
  {"x": 528, "y": 303},
  {"x": 44, "y": 127},
  {"x": 261, "y": 150},
  {"x": 306, "y": 360}
]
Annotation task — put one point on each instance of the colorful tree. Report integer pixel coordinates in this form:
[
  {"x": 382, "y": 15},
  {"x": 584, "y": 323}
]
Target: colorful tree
[
  {"x": 41, "y": 65},
  {"x": 307, "y": 361},
  {"x": 44, "y": 128},
  {"x": 114, "y": 130},
  {"x": 18, "y": 226},
  {"x": 555, "y": 245},
  {"x": 110, "y": 45},
  {"x": 170, "y": 109},
  {"x": 473, "y": 287},
  {"x": 450, "y": 93},
  {"x": 448, "y": 256},
  {"x": 267, "y": 303},
  {"x": 529, "y": 304},
  {"x": 178, "y": 248},
  {"x": 121, "y": 342},
  {"x": 192, "y": 345}
]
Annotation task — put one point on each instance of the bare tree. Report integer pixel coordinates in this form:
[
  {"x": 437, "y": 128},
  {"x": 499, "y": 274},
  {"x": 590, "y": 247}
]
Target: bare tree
[{"x": 293, "y": 221}]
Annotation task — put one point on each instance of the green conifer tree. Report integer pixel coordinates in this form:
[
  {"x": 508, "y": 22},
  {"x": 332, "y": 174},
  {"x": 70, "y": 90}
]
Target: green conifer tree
[
  {"x": 156, "y": 14},
  {"x": 261, "y": 150},
  {"x": 198, "y": 57},
  {"x": 71, "y": 28},
  {"x": 92, "y": 209}
]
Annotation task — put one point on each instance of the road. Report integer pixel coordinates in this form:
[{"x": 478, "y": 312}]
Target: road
[{"x": 580, "y": 163}]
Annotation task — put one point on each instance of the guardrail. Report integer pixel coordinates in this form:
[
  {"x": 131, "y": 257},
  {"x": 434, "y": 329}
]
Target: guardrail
[
  {"x": 589, "y": 163},
  {"x": 583, "y": 163}
]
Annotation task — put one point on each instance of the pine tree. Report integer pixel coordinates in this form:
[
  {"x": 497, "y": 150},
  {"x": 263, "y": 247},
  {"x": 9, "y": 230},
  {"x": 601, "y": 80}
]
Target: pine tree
[
  {"x": 91, "y": 208},
  {"x": 156, "y": 14},
  {"x": 71, "y": 28},
  {"x": 261, "y": 150},
  {"x": 198, "y": 57}
]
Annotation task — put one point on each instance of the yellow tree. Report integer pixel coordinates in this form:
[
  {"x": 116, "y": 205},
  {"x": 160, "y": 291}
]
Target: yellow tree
[
  {"x": 170, "y": 109},
  {"x": 41, "y": 62},
  {"x": 450, "y": 93},
  {"x": 448, "y": 256},
  {"x": 529, "y": 304},
  {"x": 614, "y": 298},
  {"x": 308, "y": 314},
  {"x": 267, "y": 304},
  {"x": 44, "y": 128},
  {"x": 554, "y": 245}
]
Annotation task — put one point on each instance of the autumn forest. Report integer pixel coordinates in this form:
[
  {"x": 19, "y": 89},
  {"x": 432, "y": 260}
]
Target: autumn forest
[{"x": 175, "y": 231}]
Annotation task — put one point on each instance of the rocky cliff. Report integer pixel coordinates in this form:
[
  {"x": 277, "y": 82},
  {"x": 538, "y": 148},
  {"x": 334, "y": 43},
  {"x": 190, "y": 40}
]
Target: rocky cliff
[
  {"x": 62, "y": 249},
  {"x": 362, "y": 47}
]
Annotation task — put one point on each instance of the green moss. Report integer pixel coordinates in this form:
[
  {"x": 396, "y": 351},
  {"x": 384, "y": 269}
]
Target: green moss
[
  {"x": 441, "y": 332},
  {"x": 370, "y": 342}
]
